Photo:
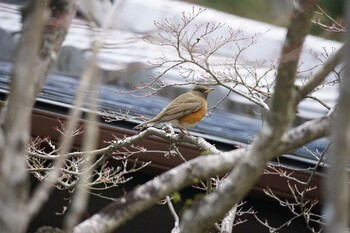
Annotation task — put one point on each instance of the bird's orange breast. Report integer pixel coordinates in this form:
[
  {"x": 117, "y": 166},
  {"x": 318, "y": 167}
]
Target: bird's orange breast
[{"x": 193, "y": 118}]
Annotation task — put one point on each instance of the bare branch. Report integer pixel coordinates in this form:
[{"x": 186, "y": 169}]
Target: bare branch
[
  {"x": 44, "y": 28},
  {"x": 301, "y": 207},
  {"x": 334, "y": 25},
  {"x": 227, "y": 222},
  {"x": 176, "y": 228},
  {"x": 89, "y": 171},
  {"x": 337, "y": 184},
  {"x": 90, "y": 140},
  {"x": 41, "y": 193},
  {"x": 199, "y": 59},
  {"x": 249, "y": 168},
  {"x": 148, "y": 194},
  {"x": 318, "y": 78},
  {"x": 14, "y": 132},
  {"x": 185, "y": 174}
]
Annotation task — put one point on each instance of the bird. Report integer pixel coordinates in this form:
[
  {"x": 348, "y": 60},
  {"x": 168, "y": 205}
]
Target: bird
[{"x": 185, "y": 111}]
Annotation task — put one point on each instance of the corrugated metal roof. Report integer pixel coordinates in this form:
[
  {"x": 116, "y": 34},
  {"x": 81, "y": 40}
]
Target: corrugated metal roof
[
  {"x": 222, "y": 127},
  {"x": 125, "y": 48}
]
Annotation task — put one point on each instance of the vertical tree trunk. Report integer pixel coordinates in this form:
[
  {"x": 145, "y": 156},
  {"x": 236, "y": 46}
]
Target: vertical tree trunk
[
  {"x": 14, "y": 135},
  {"x": 42, "y": 34},
  {"x": 336, "y": 208}
]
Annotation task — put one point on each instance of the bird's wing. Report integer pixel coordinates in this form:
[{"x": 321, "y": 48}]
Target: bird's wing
[{"x": 179, "y": 107}]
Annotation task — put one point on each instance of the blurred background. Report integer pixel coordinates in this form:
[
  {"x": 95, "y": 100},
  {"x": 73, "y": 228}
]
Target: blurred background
[
  {"x": 276, "y": 11},
  {"x": 125, "y": 61},
  {"x": 131, "y": 46}
]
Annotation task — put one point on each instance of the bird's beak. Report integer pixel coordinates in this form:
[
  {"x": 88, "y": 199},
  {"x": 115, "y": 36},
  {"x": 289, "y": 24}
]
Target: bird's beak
[{"x": 209, "y": 90}]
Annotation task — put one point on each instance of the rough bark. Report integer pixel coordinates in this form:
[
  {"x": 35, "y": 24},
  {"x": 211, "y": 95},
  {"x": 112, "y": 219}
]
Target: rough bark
[
  {"x": 204, "y": 213},
  {"x": 15, "y": 132},
  {"x": 44, "y": 27},
  {"x": 118, "y": 213},
  {"x": 336, "y": 208}
]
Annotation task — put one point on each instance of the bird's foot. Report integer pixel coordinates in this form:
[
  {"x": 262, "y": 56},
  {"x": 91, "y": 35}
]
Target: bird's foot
[
  {"x": 168, "y": 129},
  {"x": 184, "y": 132}
]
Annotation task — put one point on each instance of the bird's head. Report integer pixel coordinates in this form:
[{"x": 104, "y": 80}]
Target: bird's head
[{"x": 202, "y": 91}]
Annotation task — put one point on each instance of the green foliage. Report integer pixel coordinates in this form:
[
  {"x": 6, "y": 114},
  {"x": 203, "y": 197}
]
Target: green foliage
[
  {"x": 262, "y": 10},
  {"x": 335, "y": 8},
  {"x": 196, "y": 180},
  {"x": 176, "y": 197},
  {"x": 277, "y": 12}
]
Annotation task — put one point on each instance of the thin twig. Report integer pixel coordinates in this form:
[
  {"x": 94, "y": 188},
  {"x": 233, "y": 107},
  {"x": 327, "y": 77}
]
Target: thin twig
[{"x": 176, "y": 228}]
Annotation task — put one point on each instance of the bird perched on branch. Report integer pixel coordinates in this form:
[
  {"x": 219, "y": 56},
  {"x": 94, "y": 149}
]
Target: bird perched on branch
[{"x": 185, "y": 111}]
